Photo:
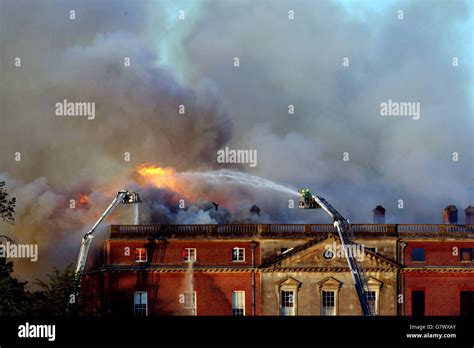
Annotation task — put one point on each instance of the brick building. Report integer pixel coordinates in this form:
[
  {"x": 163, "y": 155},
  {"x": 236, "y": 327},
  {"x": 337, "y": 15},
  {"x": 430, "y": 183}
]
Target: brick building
[
  {"x": 438, "y": 273},
  {"x": 279, "y": 270}
]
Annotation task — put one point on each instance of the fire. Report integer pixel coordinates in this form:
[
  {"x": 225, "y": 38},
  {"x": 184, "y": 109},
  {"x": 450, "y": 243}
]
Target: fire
[
  {"x": 84, "y": 199},
  {"x": 157, "y": 176}
]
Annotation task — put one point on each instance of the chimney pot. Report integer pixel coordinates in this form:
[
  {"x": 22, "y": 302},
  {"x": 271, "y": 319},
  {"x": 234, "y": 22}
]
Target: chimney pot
[
  {"x": 379, "y": 215},
  {"x": 469, "y": 215},
  {"x": 450, "y": 215},
  {"x": 255, "y": 210}
]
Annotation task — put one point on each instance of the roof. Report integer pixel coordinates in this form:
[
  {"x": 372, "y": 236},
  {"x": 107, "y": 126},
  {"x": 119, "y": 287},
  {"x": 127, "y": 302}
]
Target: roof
[{"x": 293, "y": 231}]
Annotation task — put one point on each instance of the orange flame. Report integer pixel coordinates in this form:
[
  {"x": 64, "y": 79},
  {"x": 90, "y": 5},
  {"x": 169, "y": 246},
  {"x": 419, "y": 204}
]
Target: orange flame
[
  {"x": 84, "y": 199},
  {"x": 157, "y": 176}
]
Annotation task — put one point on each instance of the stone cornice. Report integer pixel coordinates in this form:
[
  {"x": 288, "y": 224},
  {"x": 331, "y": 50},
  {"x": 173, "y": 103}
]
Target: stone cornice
[{"x": 440, "y": 269}]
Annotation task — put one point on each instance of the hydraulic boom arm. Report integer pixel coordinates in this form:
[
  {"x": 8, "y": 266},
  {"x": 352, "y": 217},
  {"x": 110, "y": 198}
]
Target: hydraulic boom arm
[
  {"x": 124, "y": 197},
  {"x": 308, "y": 201}
]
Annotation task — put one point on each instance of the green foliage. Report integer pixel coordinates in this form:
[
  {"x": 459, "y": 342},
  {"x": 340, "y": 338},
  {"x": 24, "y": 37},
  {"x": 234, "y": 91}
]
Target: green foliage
[
  {"x": 7, "y": 206},
  {"x": 14, "y": 300},
  {"x": 57, "y": 297}
]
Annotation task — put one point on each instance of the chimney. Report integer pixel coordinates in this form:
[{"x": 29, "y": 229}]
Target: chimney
[
  {"x": 450, "y": 215},
  {"x": 255, "y": 210},
  {"x": 469, "y": 215},
  {"x": 379, "y": 215}
]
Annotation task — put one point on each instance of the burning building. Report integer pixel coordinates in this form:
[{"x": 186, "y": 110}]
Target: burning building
[{"x": 280, "y": 269}]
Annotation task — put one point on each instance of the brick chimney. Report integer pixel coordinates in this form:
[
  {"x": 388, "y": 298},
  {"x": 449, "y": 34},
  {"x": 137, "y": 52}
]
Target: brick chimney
[
  {"x": 469, "y": 215},
  {"x": 450, "y": 215},
  {"x": 379, "y": 215}
]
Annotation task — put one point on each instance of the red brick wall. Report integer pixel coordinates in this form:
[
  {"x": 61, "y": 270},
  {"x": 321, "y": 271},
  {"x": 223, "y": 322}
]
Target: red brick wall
[
  {"x": 437, "y": 253},
  {"x": 442, "y": 291},
  {"x": 213, "y": 292},
  {"x": 209, "y": 253}
]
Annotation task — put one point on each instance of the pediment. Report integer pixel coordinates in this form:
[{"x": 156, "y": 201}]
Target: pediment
[
  {"x": 290, "y": 283},
  {"x": 330, "y": 283},
  {"x": 317, "y": 254},
  {"x": 374, "y": 283}
]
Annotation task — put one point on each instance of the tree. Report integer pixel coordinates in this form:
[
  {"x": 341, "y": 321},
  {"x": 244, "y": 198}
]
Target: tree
[
  {"x": 58, "y": 295},
  {"x": 7, "y": 206},
  {"x": 14, "y": 300}
]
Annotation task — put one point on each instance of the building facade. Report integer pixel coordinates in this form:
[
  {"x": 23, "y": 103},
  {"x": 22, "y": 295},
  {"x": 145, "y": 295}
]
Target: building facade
[
  {"x": 256, "y": 269},
  {"x": 437, "y": 277}
]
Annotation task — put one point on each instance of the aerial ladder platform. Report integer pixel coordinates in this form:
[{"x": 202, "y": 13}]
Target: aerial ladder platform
[
  {"x": 122, "y": 197},
  {"x": 343, "y": 227}
]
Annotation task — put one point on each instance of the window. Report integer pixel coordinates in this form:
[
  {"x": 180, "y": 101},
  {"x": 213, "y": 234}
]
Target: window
[
  {"x": 189, "y": 255},
  {"x": 140, "y": 255},
  {"x": 418, "y": 254},
  {"x": 372, "y": 300},
  {"x": 238, "y": 254},
  {"x": 372, "y": 249},
  {"x": 140, "y": 304},
  {"x": 328, "y": 303},
  {"x": 238, "y": 303},
  {"x": 190, "y": 302},
  {"x": 466, "y": 254},
  {"x": 418, "y": 303},
  {"x": 287, "y": 299},
  {"x": 467, "y": 303},
  {"x": 282, "y": 250}
]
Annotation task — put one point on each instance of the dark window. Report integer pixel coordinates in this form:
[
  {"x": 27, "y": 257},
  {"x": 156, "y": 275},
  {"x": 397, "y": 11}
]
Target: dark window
[
  {"x": 418, "y": 303},
  {"x": 140, "y": 303},
  {"x": 372, "y": 249},
  {"x": 467, "y": 303},
  {"x": 418, "y": 254},
  {"x": 372, "y": 300},
  {"x": 466, "y": 254}
]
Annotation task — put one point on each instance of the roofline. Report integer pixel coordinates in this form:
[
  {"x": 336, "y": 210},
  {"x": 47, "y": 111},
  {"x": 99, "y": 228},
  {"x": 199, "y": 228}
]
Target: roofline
[{"x": 291, "y": 231}]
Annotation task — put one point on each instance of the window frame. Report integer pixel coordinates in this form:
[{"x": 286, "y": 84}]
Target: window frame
[
  {"x": 376, "y": 299},
  {"x": 294, "y": 302},
  {"x": 135, "y": 255},
  {"x": 238, "y": 255},
  {"x": 242, "y": 298},
  {"x": 470, "y": 253},
  {"x": 334, "y": 292},
  {"x": 186, "y": 254},
  {"x": 191, "y": 309},
  {"x": 135, "y": 304}
]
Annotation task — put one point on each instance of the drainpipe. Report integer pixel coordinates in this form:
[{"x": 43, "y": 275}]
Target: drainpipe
[
  {"x": 253, "y": 244},
  {"x": 402, "y": 276}
]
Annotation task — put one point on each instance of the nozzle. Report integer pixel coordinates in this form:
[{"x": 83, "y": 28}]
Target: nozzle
[{"x": 131, "y": 197}]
